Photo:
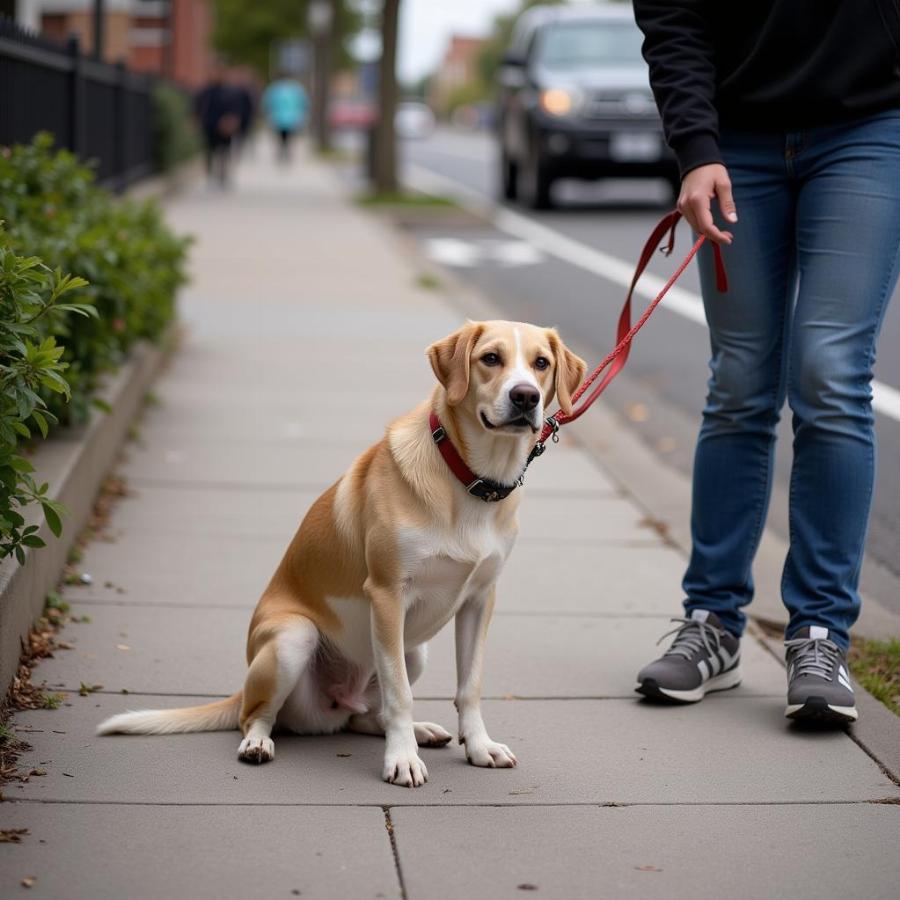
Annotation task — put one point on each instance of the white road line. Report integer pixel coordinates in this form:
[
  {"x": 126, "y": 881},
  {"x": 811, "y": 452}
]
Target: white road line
[{"x": 885, "y": 399}]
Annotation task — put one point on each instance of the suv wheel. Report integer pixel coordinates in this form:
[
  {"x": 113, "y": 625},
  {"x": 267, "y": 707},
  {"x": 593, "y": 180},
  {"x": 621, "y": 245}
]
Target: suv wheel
[
  {"x": 509, "y": 175},
  {"x": 535, "y": 180}
]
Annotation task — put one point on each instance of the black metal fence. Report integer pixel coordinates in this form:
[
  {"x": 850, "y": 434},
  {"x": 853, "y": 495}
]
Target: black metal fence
[{"x": 100, "y": 111}]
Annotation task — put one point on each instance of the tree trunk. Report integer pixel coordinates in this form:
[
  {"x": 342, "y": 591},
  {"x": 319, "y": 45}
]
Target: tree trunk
[{"x": 385, "y": 138}]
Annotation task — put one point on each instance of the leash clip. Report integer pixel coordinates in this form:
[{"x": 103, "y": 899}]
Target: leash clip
[
  {"x": 554, "y": 434},
  {"x": 438, "y": 434}
]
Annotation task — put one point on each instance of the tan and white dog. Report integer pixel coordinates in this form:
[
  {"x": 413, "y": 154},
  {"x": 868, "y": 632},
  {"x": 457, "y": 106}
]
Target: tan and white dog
[{"x": 386, "y": 557}]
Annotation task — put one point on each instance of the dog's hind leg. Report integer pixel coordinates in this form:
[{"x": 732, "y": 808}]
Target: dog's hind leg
[
  {"x": 274, "y": 671},
  {"x": 427, "y": 733}
]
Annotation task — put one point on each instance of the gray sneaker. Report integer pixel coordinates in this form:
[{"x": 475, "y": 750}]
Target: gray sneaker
[
  {"x": 703, "y": 657},
  {"x": 819, "y": 686}
]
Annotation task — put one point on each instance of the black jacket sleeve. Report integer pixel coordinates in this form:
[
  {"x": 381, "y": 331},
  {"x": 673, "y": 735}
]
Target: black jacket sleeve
[{"x": 678, "y": 48}]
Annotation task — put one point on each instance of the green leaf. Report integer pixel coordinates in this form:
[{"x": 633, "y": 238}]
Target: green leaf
[
  {"x": 52, "y": 517},
  {"x": 41, "y": 422},
  {"x": 21, "y": 465},
  {"x": 32, "y": 540}
]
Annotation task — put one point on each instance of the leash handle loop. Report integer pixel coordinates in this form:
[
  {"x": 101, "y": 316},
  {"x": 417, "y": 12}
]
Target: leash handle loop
[{"x": 615, "y": 360}]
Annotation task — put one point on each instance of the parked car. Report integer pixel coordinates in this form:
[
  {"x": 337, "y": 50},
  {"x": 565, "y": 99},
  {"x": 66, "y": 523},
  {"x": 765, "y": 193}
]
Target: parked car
[
  {"x": 414, "y": 119},
  {"x": 351, "y": 114},
  {"x": 575, "y": 102}
]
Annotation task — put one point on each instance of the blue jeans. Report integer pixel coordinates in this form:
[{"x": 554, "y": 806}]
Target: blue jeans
[{"x": 813, "y": 264}]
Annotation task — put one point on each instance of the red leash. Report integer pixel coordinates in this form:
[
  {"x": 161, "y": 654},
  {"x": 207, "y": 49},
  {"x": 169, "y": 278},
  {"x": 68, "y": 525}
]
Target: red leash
[{"x": 625, "y": 332}]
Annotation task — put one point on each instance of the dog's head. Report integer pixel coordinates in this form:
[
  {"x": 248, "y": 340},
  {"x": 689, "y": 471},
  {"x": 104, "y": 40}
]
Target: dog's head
[{"x": 505, "y": 374}]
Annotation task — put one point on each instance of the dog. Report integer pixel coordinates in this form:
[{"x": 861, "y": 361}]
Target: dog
[{"x": 388, "y": 555}]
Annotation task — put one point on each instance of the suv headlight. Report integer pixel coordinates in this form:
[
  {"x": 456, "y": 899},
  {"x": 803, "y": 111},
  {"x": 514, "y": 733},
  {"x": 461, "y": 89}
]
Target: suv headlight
[{"x": 559, "y": 101}]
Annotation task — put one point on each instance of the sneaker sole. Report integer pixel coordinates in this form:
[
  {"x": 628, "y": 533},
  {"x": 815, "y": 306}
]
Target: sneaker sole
[
  {"x": 817, "y": 709},
  {"x": 649, "y": 687}
]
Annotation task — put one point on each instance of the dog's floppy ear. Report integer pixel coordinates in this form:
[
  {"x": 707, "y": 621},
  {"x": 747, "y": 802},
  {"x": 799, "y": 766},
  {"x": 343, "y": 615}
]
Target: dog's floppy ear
[
  {"x": 570, "y": 371},
  {"x": 450, "y": 360}
]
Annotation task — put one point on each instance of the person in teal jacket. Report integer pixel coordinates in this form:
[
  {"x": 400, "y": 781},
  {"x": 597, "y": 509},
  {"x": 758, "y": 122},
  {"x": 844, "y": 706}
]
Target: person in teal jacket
[{"x": 286, "y": 106}]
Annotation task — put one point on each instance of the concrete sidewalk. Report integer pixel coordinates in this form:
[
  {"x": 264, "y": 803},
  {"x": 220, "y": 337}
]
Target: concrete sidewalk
[{"x": 306, "y": 332}]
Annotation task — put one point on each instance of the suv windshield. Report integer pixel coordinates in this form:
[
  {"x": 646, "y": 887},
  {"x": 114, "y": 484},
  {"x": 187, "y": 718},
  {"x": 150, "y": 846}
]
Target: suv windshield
[{"x": 578, "y": 45}]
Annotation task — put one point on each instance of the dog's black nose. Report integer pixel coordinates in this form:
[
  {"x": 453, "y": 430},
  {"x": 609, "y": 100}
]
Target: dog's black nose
[{"x": 525, "y": 397}]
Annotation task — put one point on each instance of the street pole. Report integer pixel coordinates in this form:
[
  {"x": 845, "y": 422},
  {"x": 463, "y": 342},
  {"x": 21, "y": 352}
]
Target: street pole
[
  {"x": 99, "y": 23},
  {"x": 321, "y": 23},
  {"x": 385, "y": 135}
]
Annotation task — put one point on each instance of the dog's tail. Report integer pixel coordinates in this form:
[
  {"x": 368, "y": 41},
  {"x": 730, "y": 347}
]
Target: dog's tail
[{"x": 223, "y": 715}]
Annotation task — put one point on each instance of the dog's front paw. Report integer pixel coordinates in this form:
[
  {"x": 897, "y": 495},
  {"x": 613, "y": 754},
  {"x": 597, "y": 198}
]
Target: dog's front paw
[
  {"x": 430, "y": 735},
  {"x": 404, "y": 767},
  {"x": 489, "y": 754},
  {"x": 256, "y": 750}
]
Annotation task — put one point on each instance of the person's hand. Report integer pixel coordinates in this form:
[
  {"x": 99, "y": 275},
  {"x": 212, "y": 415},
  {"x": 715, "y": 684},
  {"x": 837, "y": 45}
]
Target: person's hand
[{"x": 698, "y": 188}]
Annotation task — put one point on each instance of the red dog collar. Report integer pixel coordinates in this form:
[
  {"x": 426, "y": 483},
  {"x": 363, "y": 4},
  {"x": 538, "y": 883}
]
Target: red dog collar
[{"x": 483, "y": 488}]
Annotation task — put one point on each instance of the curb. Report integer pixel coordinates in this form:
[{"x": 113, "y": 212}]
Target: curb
[{"x": 74, "y": 462}]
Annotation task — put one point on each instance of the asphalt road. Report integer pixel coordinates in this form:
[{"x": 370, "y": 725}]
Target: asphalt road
[{"x": 528, "y": 264}]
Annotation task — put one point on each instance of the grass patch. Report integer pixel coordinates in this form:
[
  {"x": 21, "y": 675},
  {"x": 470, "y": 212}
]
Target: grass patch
[
  {"x": 428, "y": 282},
  {"x": 406, "y": 199},
  {"x": 338, "y": 155},
  {"x": 53, "y": 602},
  {"x": 876, "y": 666}
]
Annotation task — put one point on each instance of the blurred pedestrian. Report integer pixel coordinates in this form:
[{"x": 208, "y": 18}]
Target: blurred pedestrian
[
  {"x": 218, "y": 110},
  {"x": 286, "y": 106},
  {"x": 788, "y": 116}
]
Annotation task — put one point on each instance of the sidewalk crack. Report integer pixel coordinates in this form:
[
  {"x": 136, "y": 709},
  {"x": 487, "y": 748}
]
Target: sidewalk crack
[{"x": 389, "y": 827}]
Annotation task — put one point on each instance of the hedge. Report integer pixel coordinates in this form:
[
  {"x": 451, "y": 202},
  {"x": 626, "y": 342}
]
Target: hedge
[{"x": 126, "y": 267}]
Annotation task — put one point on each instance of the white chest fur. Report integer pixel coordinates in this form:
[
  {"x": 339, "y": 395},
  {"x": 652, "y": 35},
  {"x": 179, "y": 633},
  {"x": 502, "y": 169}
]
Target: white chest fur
[{"x": 442, "y": 568}]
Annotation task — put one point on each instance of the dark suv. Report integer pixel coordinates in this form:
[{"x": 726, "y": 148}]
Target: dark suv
[{"x": 575, "y": 102}]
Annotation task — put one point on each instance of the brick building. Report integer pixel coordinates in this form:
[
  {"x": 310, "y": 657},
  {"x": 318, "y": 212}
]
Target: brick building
[{"x": 167, "y": 37}]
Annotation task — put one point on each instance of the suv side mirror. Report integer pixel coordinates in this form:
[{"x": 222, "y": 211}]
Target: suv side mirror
[{"x": 512, "y": 72}]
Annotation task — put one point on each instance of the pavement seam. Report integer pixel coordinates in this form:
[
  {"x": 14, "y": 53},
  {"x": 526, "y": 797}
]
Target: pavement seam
[
  {"x": 520, "y": 613},
  {"x": 175, "y": 484},
  {"x": 606, "y": 804},
  {"x": 502, "y": 698},
  {"x": 389, "y": 826}
]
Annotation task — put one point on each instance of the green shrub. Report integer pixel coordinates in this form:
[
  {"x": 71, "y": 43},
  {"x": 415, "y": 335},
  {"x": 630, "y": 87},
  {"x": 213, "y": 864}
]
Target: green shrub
[
  {"x": 127, "y": 267},
  {"x": 30, "y": 362},
  {"x": 134, "y": 265},
  {"x": 175, "y": 137}
]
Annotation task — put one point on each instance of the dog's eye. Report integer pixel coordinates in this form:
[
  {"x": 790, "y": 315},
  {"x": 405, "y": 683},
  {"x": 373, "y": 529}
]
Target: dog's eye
[
  {"x": 491, "y": 359},
  {"x": 542, "y": 363}
]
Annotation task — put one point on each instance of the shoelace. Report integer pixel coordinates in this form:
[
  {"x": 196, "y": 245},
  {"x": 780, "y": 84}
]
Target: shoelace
[
  {"x": 812, "y": 656},
  {"x": 692, "y": 635}
]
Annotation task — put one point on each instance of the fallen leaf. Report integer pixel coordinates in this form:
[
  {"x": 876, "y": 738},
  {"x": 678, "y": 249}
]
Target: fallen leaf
[
  {"x": 647, "y": 869},
  {"x": 122, "y": 647},
  {"x": 29, "y": 881},
  {"x": 12, "y": 835},
  {"x": 637, "y": 412}
]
